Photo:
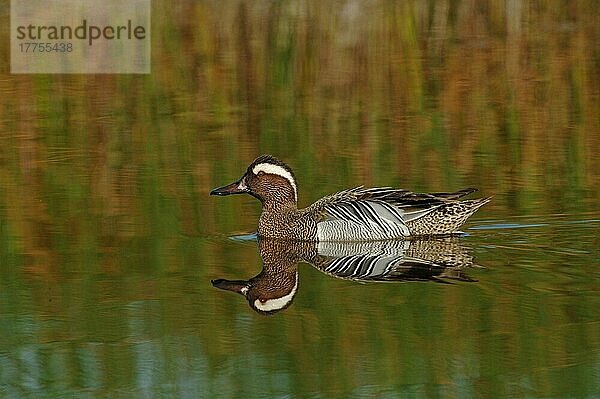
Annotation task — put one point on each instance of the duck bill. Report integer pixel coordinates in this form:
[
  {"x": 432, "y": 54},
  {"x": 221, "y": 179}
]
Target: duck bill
[
  {"x": 239, "y": 286},
  {"x": 237, "y": 187}
]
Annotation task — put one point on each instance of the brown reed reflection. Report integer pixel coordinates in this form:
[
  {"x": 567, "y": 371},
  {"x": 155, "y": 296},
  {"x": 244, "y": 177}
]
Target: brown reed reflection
[
  {"x": 423, "y": 95},
  {"x": 439, "y": 260}
]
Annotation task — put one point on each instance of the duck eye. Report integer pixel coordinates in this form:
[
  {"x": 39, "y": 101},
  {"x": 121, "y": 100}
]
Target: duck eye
[{"x": 260, "y": 173}]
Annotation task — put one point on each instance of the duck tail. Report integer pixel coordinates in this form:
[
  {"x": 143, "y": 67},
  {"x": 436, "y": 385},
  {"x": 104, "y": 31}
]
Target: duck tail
[{"x": 455, "y": 195}]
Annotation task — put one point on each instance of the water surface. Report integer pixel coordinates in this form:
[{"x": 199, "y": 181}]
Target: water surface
[{"x": 109, "y": 240}]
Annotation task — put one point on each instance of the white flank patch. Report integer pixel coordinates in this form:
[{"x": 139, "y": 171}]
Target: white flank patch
[
  {"x": 276, "y": 303},
  {"x": 279, "y": 171}
]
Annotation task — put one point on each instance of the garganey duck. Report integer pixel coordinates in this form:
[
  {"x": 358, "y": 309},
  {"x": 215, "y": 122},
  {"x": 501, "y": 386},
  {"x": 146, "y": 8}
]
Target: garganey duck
[
  {"x": 357, "y": 214},
  {"x": 437, "y": 260}
]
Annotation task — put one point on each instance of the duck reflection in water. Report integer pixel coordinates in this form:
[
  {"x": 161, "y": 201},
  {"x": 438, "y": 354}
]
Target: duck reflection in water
[{"x": 439, "y": 260}]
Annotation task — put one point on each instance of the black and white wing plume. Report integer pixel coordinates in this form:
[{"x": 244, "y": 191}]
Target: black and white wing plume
[
  {"x": 368, "y": 214},
  {"x": 399, "y": 260}
]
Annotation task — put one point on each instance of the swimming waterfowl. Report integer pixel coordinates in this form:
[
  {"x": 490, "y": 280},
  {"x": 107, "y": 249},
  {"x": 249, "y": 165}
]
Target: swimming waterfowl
[
  {"x": 356, "y": 214},
  {"x": 437, "y": 260}
]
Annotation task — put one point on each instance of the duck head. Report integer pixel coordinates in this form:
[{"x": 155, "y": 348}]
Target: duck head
[
  {"x": 275, "y": 287},
  {"x": 268, "y": 292},
  {"x": 267, "y": 179}
]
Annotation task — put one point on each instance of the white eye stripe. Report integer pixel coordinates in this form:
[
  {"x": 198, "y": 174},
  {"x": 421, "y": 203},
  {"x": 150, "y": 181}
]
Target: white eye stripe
[
  {"x": 276, "y": 303},
  {"x": 279, "y": 171}
]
